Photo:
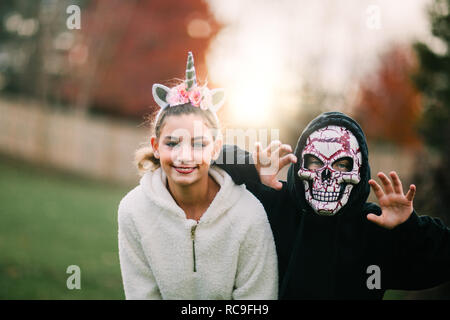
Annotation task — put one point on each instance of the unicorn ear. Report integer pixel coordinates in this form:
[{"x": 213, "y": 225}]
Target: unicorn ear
[
  {"x": 218, "y": 99},
  {"x": 160, "y": 94}
]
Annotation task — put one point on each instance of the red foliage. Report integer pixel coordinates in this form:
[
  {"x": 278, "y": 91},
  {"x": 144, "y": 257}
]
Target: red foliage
[
  {"x": 131, "y": 45},
  {"x": 389, "y": 106}
]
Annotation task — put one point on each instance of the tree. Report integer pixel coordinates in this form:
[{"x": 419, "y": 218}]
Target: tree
[
  {"x": 129, "y": 46},
  {"x": 110, "y": 64},
  {"x": 31, "y": 64},
  {"x": 432, "y": 79},
  {"x": 389, "y": 105}
]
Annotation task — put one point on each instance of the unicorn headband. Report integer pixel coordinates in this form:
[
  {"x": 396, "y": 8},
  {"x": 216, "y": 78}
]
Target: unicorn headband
[{"x": 188, "y": 92}]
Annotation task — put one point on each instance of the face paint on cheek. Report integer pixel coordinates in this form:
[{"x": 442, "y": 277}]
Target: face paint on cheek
[{"x": 328, "y": 190}]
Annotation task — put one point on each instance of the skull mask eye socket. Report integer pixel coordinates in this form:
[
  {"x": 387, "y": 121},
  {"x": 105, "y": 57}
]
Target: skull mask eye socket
[
  {"x": 344, "y": 164},
  {"x": 312, "y": 162}
]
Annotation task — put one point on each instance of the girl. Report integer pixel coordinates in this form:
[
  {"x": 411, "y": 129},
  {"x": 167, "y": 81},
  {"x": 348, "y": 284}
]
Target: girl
[{"x": 187, "y": 231}]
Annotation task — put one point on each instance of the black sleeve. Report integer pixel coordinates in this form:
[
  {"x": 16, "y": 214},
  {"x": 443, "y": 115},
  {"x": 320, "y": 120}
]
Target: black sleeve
[
  {"x": 239, "y": 165},
  {"x": 422, "y": 253}
]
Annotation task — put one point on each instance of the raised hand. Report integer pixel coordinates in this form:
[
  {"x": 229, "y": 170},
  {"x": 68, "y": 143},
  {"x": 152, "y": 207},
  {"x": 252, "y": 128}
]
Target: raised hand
[
  {"x": 396, "y": 207},
  {"x": 271, "y": 160}
]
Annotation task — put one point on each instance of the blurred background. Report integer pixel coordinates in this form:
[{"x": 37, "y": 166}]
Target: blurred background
[{"x": 75, "y": 95}]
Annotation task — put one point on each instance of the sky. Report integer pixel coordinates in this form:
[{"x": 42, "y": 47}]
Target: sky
[{"x": 269, "y": 50}]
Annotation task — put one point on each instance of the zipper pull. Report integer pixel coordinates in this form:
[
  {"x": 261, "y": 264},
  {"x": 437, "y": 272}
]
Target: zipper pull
[{"x": 193, "y": 232}]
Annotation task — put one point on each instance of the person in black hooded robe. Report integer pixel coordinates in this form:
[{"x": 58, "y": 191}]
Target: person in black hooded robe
[{"x": 356, "y": 252}]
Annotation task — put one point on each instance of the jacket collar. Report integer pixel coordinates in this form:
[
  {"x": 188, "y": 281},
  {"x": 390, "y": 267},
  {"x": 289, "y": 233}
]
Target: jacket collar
[{"x": 154, "y": 186}]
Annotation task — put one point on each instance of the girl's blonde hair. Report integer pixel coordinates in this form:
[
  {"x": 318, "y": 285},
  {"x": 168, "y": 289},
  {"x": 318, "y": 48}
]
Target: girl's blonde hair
[{"x": 144, "y": 157}]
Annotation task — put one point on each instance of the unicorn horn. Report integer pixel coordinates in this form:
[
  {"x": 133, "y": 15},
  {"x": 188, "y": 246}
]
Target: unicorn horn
[{"x": 191, "y": 79}]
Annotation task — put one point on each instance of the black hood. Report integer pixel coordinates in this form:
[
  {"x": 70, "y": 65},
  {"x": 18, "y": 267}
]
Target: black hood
[{"x": 360, "y": 192}]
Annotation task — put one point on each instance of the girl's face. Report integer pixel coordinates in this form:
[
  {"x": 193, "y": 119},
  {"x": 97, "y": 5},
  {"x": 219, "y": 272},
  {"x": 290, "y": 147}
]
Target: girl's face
[{"x": 185, "y": 148}]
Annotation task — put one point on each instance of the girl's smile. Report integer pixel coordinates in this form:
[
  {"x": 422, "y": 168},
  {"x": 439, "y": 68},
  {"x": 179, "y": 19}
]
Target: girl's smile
[{"x": 184, "y": 170}]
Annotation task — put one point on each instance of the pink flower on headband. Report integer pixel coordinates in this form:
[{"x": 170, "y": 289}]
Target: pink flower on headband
[
  {"x": 181, "y": 90},
  {"x": 195, "y": 97},
  {"x": 178, "y": 95}
]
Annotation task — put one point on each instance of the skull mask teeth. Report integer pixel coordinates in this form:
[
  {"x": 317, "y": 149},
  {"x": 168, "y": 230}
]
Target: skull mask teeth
[{"x": 327, "y": 190}]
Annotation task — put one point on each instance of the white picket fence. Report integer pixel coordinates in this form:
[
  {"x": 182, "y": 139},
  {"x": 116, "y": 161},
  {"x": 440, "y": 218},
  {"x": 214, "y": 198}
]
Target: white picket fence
[{"x": 100, "y": 148}]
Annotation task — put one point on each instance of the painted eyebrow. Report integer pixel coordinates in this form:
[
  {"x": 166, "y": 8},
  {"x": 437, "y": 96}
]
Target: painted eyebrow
[
  {"x": 200, "y": 138},
  {"x": 170, "y": 138}
]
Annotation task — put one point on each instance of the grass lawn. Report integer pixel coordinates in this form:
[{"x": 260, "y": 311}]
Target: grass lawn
[{"x": 49, "y": 221}]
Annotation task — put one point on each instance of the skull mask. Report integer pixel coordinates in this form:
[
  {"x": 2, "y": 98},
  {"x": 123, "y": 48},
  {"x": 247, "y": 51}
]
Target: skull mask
[{"x": 327, "y": 189}]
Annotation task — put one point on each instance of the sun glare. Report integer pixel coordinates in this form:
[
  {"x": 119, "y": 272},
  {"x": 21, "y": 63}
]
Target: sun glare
[
  {"x": 251, "y": 77},
  {"x": 250, "y": 99}
]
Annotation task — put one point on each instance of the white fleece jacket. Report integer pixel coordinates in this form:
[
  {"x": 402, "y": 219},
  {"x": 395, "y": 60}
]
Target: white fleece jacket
[{"x": 231, "y": 247}]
